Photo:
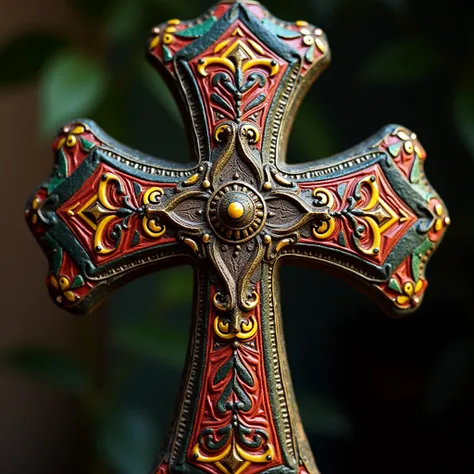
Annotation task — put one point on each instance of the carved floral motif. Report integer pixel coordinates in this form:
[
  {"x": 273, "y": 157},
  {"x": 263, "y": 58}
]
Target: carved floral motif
[
  {"x": 108, "y": 214},
  {"x": 234, "y": 429},
  {"x": 366, "y": 215}
]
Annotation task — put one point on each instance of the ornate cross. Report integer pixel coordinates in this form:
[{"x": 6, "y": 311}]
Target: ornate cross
[{"x": 109, "y": 213}]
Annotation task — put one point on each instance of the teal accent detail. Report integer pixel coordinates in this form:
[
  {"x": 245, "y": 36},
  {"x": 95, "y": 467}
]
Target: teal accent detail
[
  {"x": 395, "y": 149},
  {"x": 419, "y": 186},
  {"x": 342, "y": 239},
  {"x": 62, "y": 163},
  {"x": 78, "y": 282},
  {"x": 341, "y": 190},
  {"x": 415, "y": 171},
  {"x": 136, "y": 238},
  {"x": 415, "y": 266},
  {"x": 198, "y": 30},
  {"x": 167, "y": 54},
  {"x": 86, "y": 144},
  {"x": 280, "y": 31},
  {"x": 310, "y": 54},
  {"x": 416, "y": 258},
  {"x": 223, "y": 371},
  {"x": 53, "y": 183},
  {"x": 137, "y": 188},
  {"x": 394, "y": 285}
]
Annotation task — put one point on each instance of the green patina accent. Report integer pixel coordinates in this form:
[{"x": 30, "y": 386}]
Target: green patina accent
[
  {"x": 310, "y": 54},
  {"x": 415, "y": 175},
  {"x": 280, "y": 31},
  {"x": 86, "y": 144},
  {"x": 167, "y": 54},
  {"x": 78, "y": 282},
  {"x": 394, "y": 285},
  {"x": 136, "y": 239},
  {"x": 53, "y": 183},
  {"x": 415, "y": 266},
  {"x": 416, "y": 258},
  {"x": 62, "y": 163},
  {"x": 394, "y": 149},
  {"x": 198, "y": 30},
  {"x": 415, "y": 178}
]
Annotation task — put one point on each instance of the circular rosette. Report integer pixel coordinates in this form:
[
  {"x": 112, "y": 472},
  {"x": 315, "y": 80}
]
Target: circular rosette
[{"x": 236, "y": 212}]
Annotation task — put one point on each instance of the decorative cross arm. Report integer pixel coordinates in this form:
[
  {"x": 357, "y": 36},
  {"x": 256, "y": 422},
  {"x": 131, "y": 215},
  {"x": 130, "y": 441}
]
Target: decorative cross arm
[{"x": 108, "y": 214}]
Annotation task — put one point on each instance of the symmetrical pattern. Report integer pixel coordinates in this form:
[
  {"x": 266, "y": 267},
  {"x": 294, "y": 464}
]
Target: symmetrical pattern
[{"x": 109, "y": 213}]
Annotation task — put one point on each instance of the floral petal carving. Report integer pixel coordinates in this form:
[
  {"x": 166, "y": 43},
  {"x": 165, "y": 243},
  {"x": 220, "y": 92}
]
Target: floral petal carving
[{"x": 287, "y": 212}]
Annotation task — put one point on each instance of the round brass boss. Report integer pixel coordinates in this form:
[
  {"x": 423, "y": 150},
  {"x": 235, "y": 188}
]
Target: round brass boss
[{"x": 236, "y": 212}]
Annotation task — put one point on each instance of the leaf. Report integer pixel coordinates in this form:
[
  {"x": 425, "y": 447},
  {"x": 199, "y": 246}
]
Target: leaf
[
  {"x": 156, "y": 85},
  {"x": 415, "y": 175},
  {"x": 242, "y": 395},
  {"x": 86, "y": 144},
  {"x": 255, "y": 102},
  {"x": 72, "y": 85},
  {"x": 198, "y": 30},
  {"x": 463, "y": 112},
  {"x": 243, "y": 373},
  {"x": 218, "y": 100},
  {"x": 310, "y": 54},
  {"x": 401, "y": 62},
  {"x": 415, "y": 266},
  {"x": 23, "y": 57},
  {"x": 46, "y": 365},
  {"x": 152, "y": 341},
  {"x": 394, "y": 285},
  {"x": 78, "y": 282},
  {"x": 167, "y": 54},
  {"x": 223, "y": 371},
  {"x": 62, "y": 163},
  {"x": 127, "y": 438}
]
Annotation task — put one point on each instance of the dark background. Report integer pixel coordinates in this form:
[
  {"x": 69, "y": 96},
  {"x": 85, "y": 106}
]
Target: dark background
[{"x": 93, "y": 395}]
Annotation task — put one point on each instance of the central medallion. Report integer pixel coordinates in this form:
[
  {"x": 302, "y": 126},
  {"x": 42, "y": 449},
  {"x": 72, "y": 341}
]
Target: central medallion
[{"x": 236, "y": 212}]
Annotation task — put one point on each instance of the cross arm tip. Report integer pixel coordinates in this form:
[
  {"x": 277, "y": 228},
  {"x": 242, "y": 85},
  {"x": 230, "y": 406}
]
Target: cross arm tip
[
  {"x": 376, "y": 219},
  {"x": 89, "y": 216}
]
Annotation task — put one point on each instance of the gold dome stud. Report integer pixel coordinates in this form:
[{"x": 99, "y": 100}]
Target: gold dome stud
[{"x": 235, "y": 210}]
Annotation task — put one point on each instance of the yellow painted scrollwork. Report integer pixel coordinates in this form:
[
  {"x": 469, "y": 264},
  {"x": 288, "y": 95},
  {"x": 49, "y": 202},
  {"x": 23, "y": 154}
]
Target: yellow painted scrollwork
[
  {"x": 151, "y": 225},
  {"x": 371, "y": 215},
  {"x": 249, "y": 329},
  {"x": 234, "y": 455},
  {"x": 376, "y": 215},
  {"x": 238, "y": 56},
  {"x": 98, "y": 213},
  {"x": 326, "y": 228}
]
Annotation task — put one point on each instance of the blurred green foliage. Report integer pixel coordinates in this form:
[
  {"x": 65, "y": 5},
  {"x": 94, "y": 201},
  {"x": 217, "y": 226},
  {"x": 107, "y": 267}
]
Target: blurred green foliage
[{"x": 393, "y": 60}]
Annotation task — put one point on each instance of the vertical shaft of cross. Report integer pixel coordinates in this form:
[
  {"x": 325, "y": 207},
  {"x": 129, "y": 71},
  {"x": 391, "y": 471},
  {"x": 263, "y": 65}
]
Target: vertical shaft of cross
[{"x": 237, "y": 406}]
